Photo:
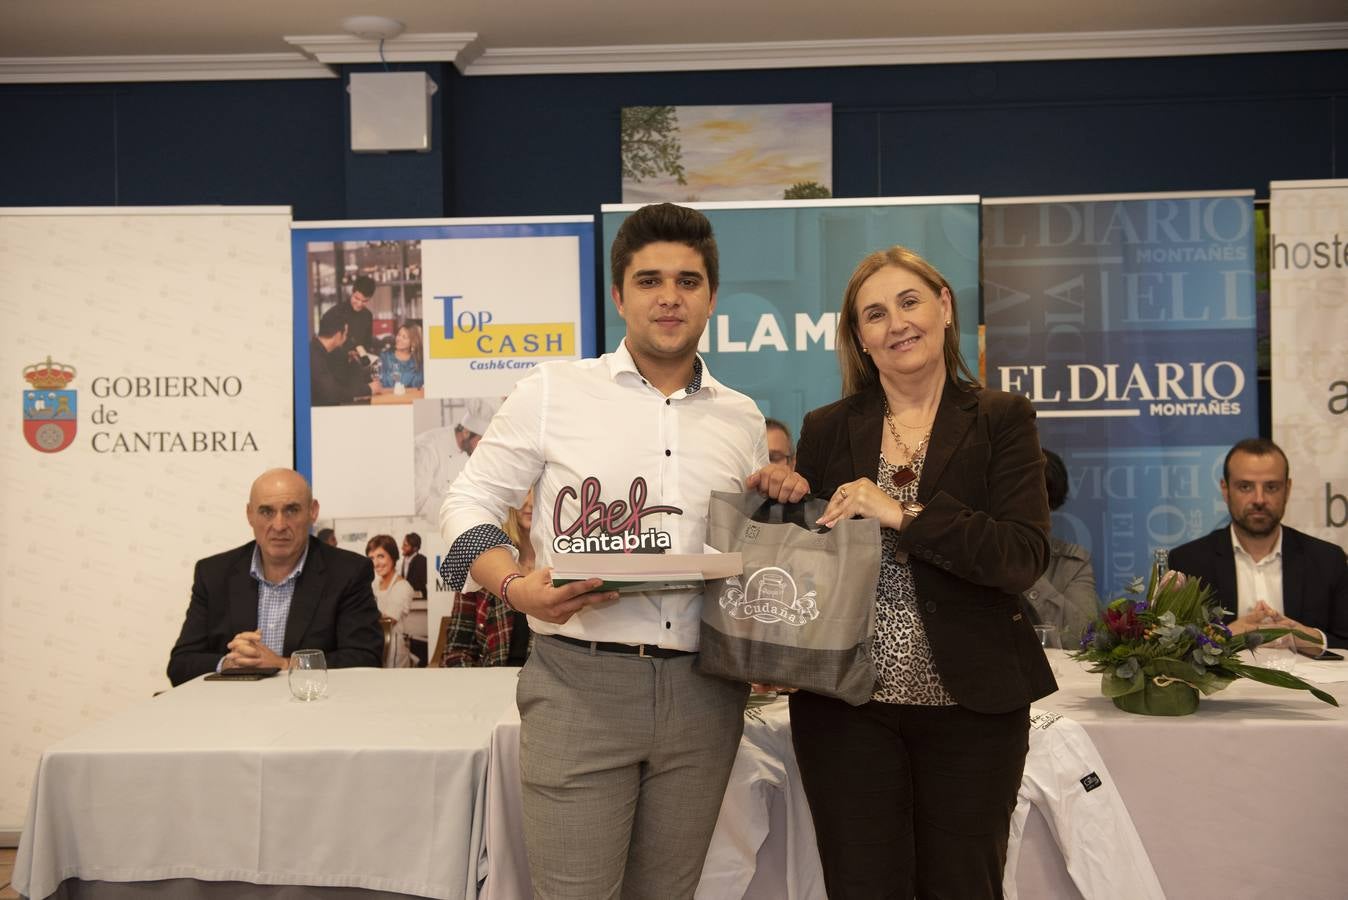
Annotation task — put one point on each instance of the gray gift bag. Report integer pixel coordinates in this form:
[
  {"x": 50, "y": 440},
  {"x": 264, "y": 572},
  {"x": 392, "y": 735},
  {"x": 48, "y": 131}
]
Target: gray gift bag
[{"x": 803, "y": 612}]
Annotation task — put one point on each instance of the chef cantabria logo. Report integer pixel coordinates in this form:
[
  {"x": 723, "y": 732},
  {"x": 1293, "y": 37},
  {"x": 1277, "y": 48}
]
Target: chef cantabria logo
[
  {"x": 49, "y": 407},
  {"x": 769, "y": 596}
]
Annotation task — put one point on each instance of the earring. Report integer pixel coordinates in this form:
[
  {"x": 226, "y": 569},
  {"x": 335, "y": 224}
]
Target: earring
[
  {"x": 947, "y": 323},
  {"x": 864, "y": 350}
]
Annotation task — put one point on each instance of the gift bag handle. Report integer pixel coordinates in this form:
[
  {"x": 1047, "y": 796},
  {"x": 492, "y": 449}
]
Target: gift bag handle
[{"x": 803, "y": 512}]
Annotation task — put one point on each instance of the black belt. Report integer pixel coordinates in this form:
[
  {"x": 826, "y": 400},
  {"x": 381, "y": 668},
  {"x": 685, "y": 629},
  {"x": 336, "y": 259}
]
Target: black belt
[{"x": 628, "y": 649}]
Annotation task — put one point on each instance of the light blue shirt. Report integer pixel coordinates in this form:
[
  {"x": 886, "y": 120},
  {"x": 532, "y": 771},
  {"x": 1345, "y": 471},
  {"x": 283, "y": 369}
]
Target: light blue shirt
[{"x": 273, "y": 600}]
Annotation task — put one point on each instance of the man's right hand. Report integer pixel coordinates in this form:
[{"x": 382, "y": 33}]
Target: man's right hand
[{"x": 534, "y": 595}]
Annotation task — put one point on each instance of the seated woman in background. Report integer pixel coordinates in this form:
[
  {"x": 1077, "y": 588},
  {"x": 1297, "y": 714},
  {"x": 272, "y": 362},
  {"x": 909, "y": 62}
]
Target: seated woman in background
[
  {"x": 1065, "y": 594},
  {"x": 402, "y": 364},
  {"x": 482, "y": 630},
  {"x": 392, "y": 593}
]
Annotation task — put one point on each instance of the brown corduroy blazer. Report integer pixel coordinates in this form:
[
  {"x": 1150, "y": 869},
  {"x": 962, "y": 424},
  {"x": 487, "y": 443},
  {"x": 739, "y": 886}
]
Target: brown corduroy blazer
[{"x": 981, "y": 540}]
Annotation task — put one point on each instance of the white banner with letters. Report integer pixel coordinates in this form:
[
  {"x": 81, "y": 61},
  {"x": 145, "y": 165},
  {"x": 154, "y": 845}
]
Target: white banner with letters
[
  {"x": 145, "y": 383},
  {"x": 1308, "y": 326}
]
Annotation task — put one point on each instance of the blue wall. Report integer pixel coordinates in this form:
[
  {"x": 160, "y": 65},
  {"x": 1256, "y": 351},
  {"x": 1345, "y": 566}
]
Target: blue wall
[{"x": 515, "y": 145}]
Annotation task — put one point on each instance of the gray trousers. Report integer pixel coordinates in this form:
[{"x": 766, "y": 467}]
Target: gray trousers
[{"x": 623, "y": 760}]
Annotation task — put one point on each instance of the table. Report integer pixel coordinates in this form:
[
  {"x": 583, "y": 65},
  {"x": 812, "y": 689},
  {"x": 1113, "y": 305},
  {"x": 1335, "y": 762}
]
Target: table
[
  {"x": 379, "y": 786},
  {"x": 402, "y": 780},
  {"x": 389, "y": 398},
  {"x": 1242, "y": 800}
]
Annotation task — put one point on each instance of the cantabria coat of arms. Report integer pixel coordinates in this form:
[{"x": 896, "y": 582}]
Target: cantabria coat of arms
[
  {"x": 49, "y": 408},
  {"x": 769, "y": 595}
]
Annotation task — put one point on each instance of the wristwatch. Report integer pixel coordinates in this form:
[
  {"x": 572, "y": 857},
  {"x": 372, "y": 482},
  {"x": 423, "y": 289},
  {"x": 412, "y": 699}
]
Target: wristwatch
[{"x": 911, "y": 508}]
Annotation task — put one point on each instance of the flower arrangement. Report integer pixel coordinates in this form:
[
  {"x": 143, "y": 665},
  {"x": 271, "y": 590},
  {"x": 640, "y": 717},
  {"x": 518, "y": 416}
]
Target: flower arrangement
[{"x": 1156, "y": 651}]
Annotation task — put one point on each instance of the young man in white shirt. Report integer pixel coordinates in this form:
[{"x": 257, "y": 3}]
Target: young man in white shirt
[{"x": 624, "y": 748}]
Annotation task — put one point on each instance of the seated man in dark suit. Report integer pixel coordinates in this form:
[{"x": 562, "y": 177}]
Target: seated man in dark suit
[
  {"x": 414, "y": 563},
  {"x": 1270, "y": 575},
  {"x": 256, "y": 604}
]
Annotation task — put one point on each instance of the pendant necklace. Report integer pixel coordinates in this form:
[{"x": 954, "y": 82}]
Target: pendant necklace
[{"x": 904, "y": 474}]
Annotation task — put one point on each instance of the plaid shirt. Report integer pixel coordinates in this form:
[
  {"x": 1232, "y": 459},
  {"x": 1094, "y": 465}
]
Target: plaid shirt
[
  {"x": 478, "y": 633},
  {"x": 273, "y": 601}
]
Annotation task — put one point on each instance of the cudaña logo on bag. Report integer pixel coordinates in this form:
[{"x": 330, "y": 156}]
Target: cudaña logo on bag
[{"x": 769, "y": 596}]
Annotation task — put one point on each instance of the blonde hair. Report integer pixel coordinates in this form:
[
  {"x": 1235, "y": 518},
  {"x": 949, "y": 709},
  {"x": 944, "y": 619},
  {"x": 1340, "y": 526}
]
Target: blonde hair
[
  {"x": 413, "y": 341},
  {"x": 858, "y": 369},
  {"x": 513, "y": 527}
]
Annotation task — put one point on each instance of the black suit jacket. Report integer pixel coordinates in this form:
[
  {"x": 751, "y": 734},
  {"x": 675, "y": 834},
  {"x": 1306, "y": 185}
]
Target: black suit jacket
[
  {"x": 982, "y": 539},
  {"x": 333, "y": 610},
  {"x": 416, "y": 573},
  {"x": 1314, "y": 578}
]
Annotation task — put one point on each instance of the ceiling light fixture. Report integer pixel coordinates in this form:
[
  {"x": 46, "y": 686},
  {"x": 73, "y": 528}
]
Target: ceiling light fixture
[{"x": 373, "y": 28}]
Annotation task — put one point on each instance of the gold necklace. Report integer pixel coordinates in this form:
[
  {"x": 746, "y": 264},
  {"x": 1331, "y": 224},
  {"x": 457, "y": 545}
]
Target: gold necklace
[{"x": 909, "y": 454}]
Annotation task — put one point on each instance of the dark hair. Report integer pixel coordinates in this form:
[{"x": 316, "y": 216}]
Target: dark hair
[
  {"x": 664, "y": 222},
  {"x": 331, "y": 322},
  {"x": 364, "y": 284},
  {"x": 1255, "y": 447},
  {"x": 858, "y": 369},
  {"x": 325, "y": 533},
  {"x": 414, "y": 539},
  {"x": 779, "y": 425},
  {"x": 383, "y": 542},
  {"x": 1055, "y": 479}
]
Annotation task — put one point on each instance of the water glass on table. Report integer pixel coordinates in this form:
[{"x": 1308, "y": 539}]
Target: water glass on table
[
  {"x": 308, "y": 675},
  {"x": 1049, "y": 640}
]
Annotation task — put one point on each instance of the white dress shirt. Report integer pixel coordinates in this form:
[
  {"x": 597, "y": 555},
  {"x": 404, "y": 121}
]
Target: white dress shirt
[
  {"x": 1260, "y": 580},
  {"x": 594, "y": 428}
]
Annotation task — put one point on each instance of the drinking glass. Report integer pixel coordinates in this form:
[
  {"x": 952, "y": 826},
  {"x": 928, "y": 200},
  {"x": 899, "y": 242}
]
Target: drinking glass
[
  {"x": 1280, "y": 654},
  {"x": 1049, "y": 640},
  {"x": 308, "y": 675}
]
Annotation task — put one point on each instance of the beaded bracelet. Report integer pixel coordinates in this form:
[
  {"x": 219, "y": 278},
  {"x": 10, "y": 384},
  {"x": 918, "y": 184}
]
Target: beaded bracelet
[{"x": 505, "y": 586}]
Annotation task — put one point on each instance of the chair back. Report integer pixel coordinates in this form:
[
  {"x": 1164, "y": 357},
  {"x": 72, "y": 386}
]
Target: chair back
[
  {"x": 386, "y": 625},
  {"x": 441, "y": 639}
]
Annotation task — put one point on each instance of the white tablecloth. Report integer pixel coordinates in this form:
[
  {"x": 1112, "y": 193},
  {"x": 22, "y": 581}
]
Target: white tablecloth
[
  {"x": 385, "y": 786},
  {"x": 1242, "y": 800},
  {"x": 378, "y": 786}
]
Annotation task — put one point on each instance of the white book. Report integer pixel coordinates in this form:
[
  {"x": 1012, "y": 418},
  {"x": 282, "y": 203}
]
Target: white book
[{"x": 625, "y": 572}]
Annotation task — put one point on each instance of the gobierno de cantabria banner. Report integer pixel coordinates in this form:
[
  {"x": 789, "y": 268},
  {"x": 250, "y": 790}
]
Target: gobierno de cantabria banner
[
  {"x": 1308, "y": 330},
  {"x": 145, "y": 383}
]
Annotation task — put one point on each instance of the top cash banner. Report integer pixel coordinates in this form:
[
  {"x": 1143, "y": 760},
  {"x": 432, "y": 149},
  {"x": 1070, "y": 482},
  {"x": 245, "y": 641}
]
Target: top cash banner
[{"x": 1129, "y": 322}]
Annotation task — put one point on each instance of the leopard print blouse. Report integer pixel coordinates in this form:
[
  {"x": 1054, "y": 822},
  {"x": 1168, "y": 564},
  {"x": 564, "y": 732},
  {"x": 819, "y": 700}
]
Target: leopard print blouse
[{"x": 904, "y": 670}]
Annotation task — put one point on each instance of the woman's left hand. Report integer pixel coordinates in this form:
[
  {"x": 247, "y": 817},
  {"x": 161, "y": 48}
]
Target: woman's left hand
[{"x": 864, "y": 498}]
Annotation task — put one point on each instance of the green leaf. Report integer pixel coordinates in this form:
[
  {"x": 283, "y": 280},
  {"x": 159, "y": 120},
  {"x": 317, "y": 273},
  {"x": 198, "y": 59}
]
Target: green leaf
[
  {"x": 1113, "y": 686},
  {"x": 1279, "y": 679}
]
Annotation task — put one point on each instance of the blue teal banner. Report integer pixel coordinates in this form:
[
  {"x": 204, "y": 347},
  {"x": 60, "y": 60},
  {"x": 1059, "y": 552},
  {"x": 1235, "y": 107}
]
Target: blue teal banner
[
  {"x": 1129, "y": 322},
  {"x": 784, "y": 266}
]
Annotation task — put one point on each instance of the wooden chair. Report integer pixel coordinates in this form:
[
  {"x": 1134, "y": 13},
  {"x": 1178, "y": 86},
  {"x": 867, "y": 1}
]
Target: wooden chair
[
  {"x": 386, "y": 625},
  {"x": 441, "y": 638}
]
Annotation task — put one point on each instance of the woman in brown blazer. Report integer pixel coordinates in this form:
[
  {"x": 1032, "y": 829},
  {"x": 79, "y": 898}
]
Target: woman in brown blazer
[{"x": 912, "y": 793}]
